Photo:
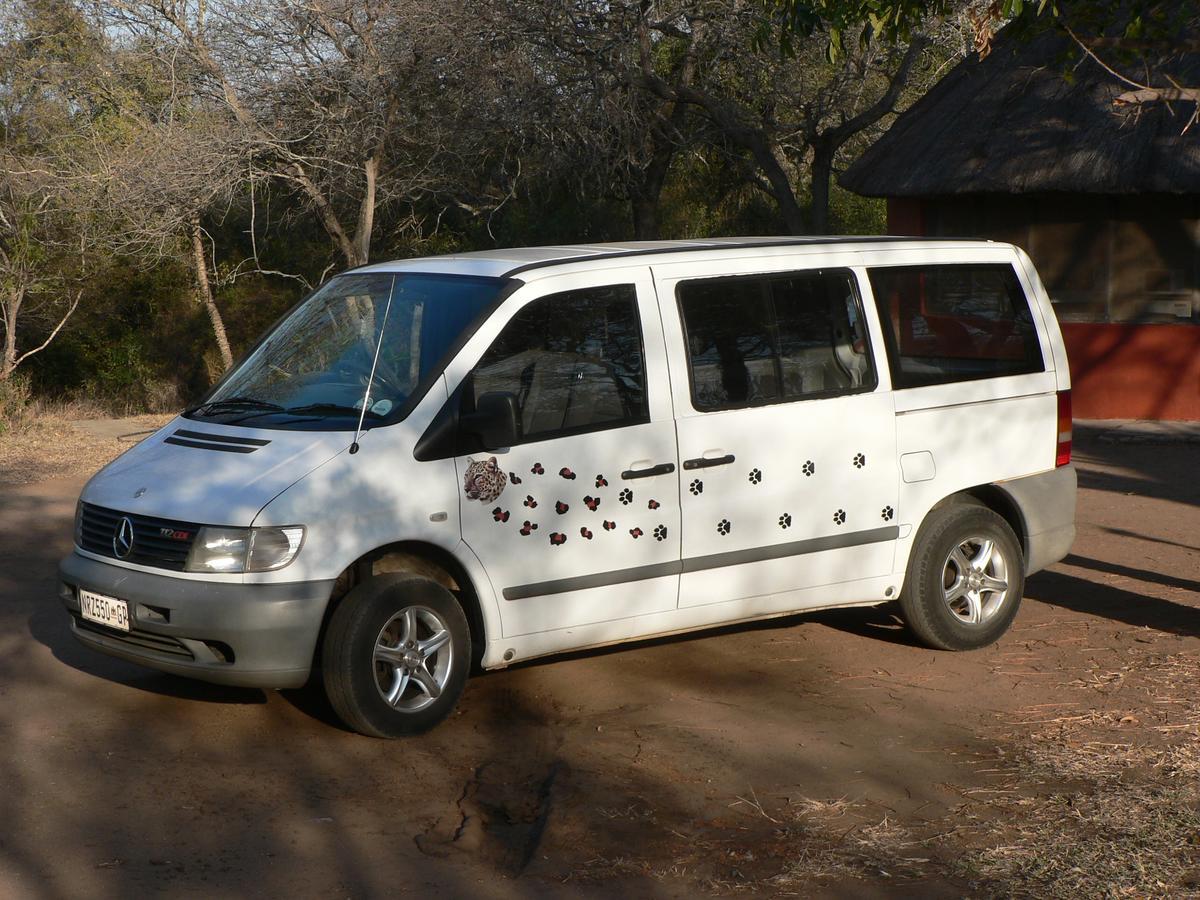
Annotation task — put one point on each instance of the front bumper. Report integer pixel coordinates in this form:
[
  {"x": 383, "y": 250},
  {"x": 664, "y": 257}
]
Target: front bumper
[{"x": 251, "y": 635}]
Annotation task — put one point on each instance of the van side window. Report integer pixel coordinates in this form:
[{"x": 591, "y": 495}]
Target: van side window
[
  {"x": 947, "y": 323},
  {"x": 573, "y": 360},
  {"x": 774, "y": 338}
]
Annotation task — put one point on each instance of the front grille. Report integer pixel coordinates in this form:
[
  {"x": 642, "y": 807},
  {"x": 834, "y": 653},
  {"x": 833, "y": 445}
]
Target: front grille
[
  {"x": 137, "y": 640},
  {"x": 156, "y": 542}
]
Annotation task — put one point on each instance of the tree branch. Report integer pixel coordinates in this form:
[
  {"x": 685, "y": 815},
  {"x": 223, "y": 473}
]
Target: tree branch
[{"x": 53, "y": 334}]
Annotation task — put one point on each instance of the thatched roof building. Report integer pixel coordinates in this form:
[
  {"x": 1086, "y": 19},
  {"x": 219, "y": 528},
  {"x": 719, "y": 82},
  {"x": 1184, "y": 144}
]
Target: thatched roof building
[
  {"x": 1017, "y": 123},
  {"x": 1024, "y": 146}
]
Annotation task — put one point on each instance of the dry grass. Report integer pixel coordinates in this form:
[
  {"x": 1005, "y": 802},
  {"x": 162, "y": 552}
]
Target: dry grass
[
  {"x": 43, "y": 443},
  {"x": 1106, "y": 799},
  {"x": 1128, "y": 826}
]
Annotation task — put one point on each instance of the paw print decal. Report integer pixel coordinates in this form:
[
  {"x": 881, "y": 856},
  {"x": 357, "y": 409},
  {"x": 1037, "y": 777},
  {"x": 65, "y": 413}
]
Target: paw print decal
[
  {"x": 808, "y": 468},
  {"x": 591, "y": 503},
  {"x": 537, "y": 469},
  {"x": 500, "y": 515},
  {"x": 514, "y": 478},
  {"x": 839, "y": 517},
  {"x": 723, "y": 527},
  {"x": 561, "y": 507},
  {"x": 585, "y": 533},
  {"x": 635, "y": 533},
  {"x": 528, "y": 528},
  {"x": 601, "y": 481},
  {"x": 626, "y": 497},
  {"x": 530, "y": 502},
  {"x": 887, "y": 514},
  {"x": 566, "y": 473},
  {"x": 557, "y": 539},
  {"x": 660, "y": 532},
  {"x": 785, "y": 521},
  {"x": 653, "y": 504},
  {"x": 696, "y": 487},
  {"x": 609, "y": 526},
  {"x": 859, "y": 460},
  {"x": 755, "y": 476}
]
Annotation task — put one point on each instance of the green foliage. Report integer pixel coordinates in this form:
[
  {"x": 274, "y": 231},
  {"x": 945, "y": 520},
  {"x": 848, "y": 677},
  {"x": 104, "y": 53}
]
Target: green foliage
[{"x": 891, "y": 21}]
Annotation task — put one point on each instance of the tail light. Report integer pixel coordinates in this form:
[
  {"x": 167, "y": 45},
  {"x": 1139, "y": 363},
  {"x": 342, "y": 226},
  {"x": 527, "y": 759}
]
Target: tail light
[{"x": 1062, "y": 454}]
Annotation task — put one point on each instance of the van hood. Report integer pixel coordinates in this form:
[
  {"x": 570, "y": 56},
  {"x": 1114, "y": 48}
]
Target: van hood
[{"x": 210, "y": 474}]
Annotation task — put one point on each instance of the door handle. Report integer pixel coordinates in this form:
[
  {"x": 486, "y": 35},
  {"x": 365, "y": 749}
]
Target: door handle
[
  {"x": 660, "y": 469},
  {"x": 701, "y": 462}
]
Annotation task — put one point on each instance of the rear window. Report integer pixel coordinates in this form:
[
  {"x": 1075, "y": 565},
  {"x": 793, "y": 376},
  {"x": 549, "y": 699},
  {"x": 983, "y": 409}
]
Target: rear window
[{"x": 955, "y": 323}]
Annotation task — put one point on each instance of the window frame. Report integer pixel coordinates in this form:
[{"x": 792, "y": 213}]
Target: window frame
[
  {"x": 870, "y": 383},
  {"x": 465, "y": 389},
  {"x": 891, "y": 337}
]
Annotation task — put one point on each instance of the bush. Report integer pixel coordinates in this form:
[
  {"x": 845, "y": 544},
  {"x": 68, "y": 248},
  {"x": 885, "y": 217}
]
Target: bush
[{"x": 15, "y": 395}]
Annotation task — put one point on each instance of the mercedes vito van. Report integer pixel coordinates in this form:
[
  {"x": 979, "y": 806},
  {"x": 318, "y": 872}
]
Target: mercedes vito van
[{"x": 484, "y": 458}]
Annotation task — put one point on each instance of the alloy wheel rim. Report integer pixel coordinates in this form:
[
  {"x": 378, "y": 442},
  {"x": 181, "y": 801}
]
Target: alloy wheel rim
[
  {"x": 975, "y": 580},
  {"x": 412, "y": 659}
]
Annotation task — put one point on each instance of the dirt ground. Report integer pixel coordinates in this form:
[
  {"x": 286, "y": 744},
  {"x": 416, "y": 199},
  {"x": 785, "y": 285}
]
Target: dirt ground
[{"x": 820, "y": 756}]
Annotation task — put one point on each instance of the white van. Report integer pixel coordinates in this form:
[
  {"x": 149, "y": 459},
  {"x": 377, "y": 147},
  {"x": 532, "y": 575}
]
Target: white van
[{"x": 489, "y": 457}]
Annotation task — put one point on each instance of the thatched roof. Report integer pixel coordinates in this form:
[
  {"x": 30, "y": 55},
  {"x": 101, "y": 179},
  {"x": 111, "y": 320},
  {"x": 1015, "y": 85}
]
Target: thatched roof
[{"x": 1011, "y": 123}]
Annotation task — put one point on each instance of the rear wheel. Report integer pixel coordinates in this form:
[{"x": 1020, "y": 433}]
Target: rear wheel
[
  {"x": 965, "y": 578},
  {"x": 396, "y": 656}
]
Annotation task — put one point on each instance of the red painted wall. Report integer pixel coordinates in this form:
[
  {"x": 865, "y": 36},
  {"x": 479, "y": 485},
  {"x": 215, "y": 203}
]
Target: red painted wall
[
  {"x": 1134, "y": 371},
  {"x": 905, "y": 216}
]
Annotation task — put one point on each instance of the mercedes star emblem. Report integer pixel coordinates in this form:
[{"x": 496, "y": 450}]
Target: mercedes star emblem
[{"x": 123, "y": 538}]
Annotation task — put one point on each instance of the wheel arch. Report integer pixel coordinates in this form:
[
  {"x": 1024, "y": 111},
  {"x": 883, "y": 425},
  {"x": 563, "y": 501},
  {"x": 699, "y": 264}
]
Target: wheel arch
[
  {"x": 1002, "y": 503},
  {"x": 417, "y": 558},
  {"x": 991, "y": 496}
]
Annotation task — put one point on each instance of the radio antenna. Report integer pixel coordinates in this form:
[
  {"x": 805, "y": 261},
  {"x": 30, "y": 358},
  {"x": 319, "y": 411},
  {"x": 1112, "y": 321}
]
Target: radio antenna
[{"x": 362, "y": 413}]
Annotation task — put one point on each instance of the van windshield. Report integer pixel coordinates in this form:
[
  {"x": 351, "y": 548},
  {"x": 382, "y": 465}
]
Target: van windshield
[{"x": 313, "y": 369}]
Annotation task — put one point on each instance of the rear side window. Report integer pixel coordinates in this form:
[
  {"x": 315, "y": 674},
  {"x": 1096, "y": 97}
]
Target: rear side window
[
  {"x": 773, "y": 338},
  {"x": 955, "y": 323},
  {"x": 573, "y": 360}
]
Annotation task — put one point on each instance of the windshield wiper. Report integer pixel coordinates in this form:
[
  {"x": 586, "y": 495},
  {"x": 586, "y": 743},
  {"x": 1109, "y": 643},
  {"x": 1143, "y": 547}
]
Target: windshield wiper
[
  {"x": 330, "y": 408},
  {"x": 232, "y": 403}
]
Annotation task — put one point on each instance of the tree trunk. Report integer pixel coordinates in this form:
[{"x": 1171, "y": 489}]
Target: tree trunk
[
  {"x": 325, "y": 212},
  {"x": 204, "y": 293},
  {"x": 645, "y": 216},
  {"x": 8, "y": 362},
  {"x": 822, "y": 175},
  {"x": 645, "y": 194},
  {"x": 366, "y": 212},
  {"x": 781, "y": 187}
]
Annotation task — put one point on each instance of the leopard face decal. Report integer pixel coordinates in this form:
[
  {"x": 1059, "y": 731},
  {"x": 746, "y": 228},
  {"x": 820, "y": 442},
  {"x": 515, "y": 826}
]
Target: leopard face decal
[{"x": 484, "y": 481}]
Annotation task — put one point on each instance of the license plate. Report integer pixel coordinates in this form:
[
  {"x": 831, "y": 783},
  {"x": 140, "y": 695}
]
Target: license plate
[{"x": 104, "y": 610}]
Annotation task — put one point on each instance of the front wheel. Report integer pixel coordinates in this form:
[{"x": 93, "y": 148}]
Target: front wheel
[
  {"x": 396, "y": 656},
  {"x": 965, "y": 578}
]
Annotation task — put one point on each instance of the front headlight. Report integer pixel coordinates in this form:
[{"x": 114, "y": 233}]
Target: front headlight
[{"x": 232, "y": 550}]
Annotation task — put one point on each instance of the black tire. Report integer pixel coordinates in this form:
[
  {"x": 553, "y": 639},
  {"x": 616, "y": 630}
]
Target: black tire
[
  {"x": 378, "y": 613},
  {"x": 932, "y": 612}
]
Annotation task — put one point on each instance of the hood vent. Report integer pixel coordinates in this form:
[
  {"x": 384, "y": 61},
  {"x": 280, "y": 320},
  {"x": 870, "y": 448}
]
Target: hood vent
[{"x": 223, "y": 442}]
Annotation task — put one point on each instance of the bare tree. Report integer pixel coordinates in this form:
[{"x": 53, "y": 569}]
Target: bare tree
[
  {"x": 356, "y": 104},
  {"x": 789, "y": 114},
  {"x": 41, "y": 274},
  {"x": 41, "y": 261},
  {"x": 149, "y": 180},
  {"x": 604, "y": 127}
]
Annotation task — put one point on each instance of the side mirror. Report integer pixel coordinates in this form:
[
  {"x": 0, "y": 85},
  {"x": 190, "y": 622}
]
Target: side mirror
[{"x": 496, "y": 420}]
